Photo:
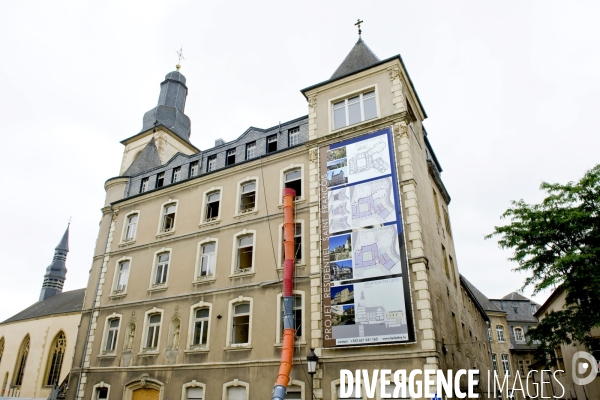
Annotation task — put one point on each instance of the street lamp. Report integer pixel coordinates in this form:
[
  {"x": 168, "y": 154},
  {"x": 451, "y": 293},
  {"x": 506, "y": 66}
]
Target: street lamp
[{"x": 311, "y": 361}]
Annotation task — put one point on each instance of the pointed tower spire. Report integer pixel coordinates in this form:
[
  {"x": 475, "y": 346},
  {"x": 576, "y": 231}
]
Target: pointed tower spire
[
  {"x": 56, "y": 273},
  {"x": 359, "y": 58}
]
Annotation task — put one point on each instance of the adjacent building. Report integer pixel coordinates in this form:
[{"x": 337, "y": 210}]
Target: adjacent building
[
  {"x": 37, "y": 344},
  {"x": 184, "y": 295}
]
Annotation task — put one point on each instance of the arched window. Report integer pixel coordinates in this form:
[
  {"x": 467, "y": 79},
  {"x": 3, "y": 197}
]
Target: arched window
[
  {"x": 500, "y": 333},
  {"x": 55, "y": 358},
  {"x": 21, "y": 362},
  {"x": 519, "y": 336}
]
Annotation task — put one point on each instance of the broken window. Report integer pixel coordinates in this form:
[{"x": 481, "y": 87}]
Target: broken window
[
  {"x": 241, "y": 324},
  {"x": 213, "y": 201},
  {"x": 169, "y": 217},
  {"x": 245, "y": 252},
  {"x": 248, "y": 197},
  {"x": 293, "y": 180}
]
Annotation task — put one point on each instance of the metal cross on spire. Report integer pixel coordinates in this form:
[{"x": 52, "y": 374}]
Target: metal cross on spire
[
  {"x": 358, "y": 22},
  {"x": 180, "y": 55}
]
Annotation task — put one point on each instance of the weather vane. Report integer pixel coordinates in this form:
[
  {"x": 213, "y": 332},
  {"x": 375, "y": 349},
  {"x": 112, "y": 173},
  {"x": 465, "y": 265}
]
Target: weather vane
[
  {"x": 180, "y": 55},
  {"x": 358, "y": 22},
  {"x": 70, "y": 219}
]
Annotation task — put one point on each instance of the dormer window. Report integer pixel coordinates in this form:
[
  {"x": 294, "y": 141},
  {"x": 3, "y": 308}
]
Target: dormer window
[
  {"x": 250, "y": 150},
  {"x": 294, "y": 136},
  {"x": 176, "y": 174},
  {"x": 272, "y": 144},
  {"x": 144, "y": 185},
  {"x": 160, "y": 180},
  {"x": 355, "y": 109},
  {"x": 230, "y": 157},
  {"x": 194, "y": 168},
  {"x": 211, "y": 164}
]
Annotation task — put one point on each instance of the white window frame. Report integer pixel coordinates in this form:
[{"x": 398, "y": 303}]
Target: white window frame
[
  {"x": 495, "y": 360},
  {"x": 248, "y": 179},
  {"x": 276, "y": 136},
  {"x": 194, "y": 165},
  {"x": 205, "y": 195},
  {"x": 348, "y": 95},
  {"x": 300, "y": 339},
  {"x": 300, "y": 262},
  {"x": 235, "y": 382},
  {"x": 522, "y": 334},
  {"x": 193, "y": 308},
  {"x": 505, "y": 364},
  {"x": 291, "y": 132},
  {"x": 192, "y": 384},
  {"x": 144, "y": 184},
  {"x": 147, "y": 315},
  {"x": 124, "y": 240},
  {"x": 228, "y": 153},
  {"x": 232, "y": 304},
  {"x": 160, "y": 286},
  {"x": 206, "y": 278},
  {"x": 100, "y": 386},
  {"x": 158, "y": 176},
  {"x": 501, "y": 337},
  {"x": 176, "y": 176},
  {"x": 250, "y": 148},
  {"x": 211, "y": 163},
  {"x": 163, "y": 208},
  {"x": 282, "y": 173},
  {"x": 115, "y": 292},
  {"x": 113, "y": 352},
  {"x": 234, "y": 271}
]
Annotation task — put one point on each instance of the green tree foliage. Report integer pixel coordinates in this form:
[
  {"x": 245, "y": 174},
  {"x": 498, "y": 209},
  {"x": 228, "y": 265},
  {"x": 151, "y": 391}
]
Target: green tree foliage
[{"x": 557, "y": 243}]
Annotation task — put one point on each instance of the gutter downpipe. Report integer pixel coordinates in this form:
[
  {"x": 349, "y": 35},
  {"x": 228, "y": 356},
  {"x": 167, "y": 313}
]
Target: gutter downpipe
[{"x": 289, "y": 330}]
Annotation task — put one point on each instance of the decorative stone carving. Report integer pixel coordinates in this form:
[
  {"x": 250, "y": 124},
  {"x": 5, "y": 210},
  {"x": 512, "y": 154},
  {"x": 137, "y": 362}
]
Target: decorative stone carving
[
  {"x": 115, "y": 215},
  {"x": 401, "y": 130},
  {"x": 394, "y": 73},
  {"x": 313, "y": 155},
  {"x": 130, "y": 337},
  {"x": 312, "y": 101},
  {"x": 176, "y": 339}
]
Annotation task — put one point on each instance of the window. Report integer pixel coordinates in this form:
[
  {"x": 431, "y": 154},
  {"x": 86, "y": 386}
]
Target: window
[
  {"x": 293, "y": 180},
  {"x": 527, "y": 364},
  {"x": 447, "y": 222},
  {"x": 240, "y": 332},
  {"x": 207, "y": 259},
  {"x": 436, "y": 204},
  {"x": 519, "y": 337},
  {"x": 294, "y": 137},
  {"x": 213, "y": 200},
  {"x": 194, "y": 168},
  {"x": 560, "y": 362},
  {"x": 194, "y": 393},
  {"x": 500, "y": 333},
  {"x": 297, "y": 243},
  {"x": 169, "y": 217},
  {"x": 505, "y": 365},
  {"x": 160, "y": 180},
  {"x": 250, "y": 150},
  {"x": 236, "y": 393},
  {"x": 153, "y": 331},
  {"x": 111, "y": 335},
  {"x": 211, "y": 164},
  {"x": 293, "y": 392},
  {"x": 354, "y": 110},
  {"x": 22, "y": 361},
  {"x": 131, "y": 227},
  {"x": 55, "y": 361},
  {"x": 533, "y": 309},
  {"x": 162, "y": 268},
  {"x": 245, "y": 252},
  {"x": 456, "y": 331},
  {"x": 297, "y": 312},
  {"x": 248, "y": 197},
  {"x": 144, "y": 185},
  {"x": 452, "y": 270},
  {"x": 521, "y": 368},
  {"x": 200, "y": 334},
  {"x": 176, "y": 175},
  {"x": 230, "y": 157},
  {"x": 446, "y": 263},
  {"x": 490, "y": 334},
  {"x": 355, "y": 395},
  {"x": 271, "y": 143},
  {"x": 101, "y": 393},
  {"x": 494, "y": 363},
  {"x": 122, "y": 276}
]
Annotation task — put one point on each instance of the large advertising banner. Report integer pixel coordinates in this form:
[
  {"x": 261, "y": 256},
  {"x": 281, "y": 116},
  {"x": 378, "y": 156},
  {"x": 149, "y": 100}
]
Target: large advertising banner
[{"x": 366, "y": 293}]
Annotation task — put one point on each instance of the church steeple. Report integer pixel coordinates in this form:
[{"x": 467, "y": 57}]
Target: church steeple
[
  {"x": 171, "y": 104},
  {"x": 56, "y": 273}
]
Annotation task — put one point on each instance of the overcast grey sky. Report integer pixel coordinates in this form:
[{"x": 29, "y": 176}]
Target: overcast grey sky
[{"x": 512, "y": 91}]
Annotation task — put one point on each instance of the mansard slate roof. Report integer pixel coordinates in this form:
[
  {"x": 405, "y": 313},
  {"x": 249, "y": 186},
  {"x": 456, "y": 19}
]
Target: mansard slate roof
[
  {"x": 359, "y": 58},
  {"x": 515, "y": 296},
  {"x": 483, "y": 301},
  {"x": 62, "y": 303}
]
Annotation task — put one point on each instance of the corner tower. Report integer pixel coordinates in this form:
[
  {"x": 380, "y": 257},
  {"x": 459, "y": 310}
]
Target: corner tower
[
  {"x": 56, "y": 273},
  {"x": 166, "y": 129}
]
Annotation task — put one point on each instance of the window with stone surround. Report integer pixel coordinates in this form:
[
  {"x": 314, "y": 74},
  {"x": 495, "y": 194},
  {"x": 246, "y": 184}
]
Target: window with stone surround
[{"x": 355, "y": 109}]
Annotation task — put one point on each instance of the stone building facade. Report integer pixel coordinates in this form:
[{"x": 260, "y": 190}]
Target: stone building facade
[{"x": 184, "y": 295}]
